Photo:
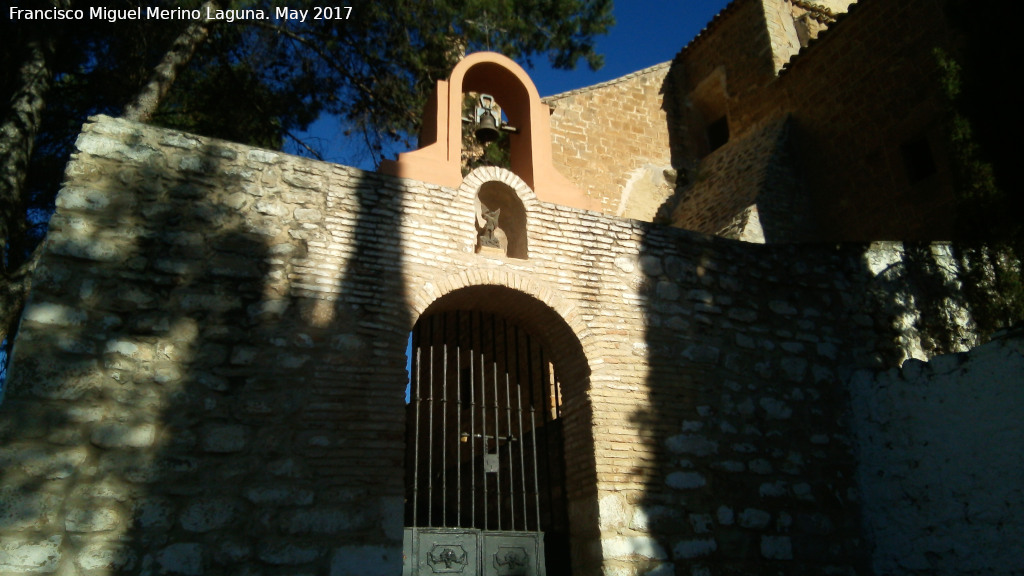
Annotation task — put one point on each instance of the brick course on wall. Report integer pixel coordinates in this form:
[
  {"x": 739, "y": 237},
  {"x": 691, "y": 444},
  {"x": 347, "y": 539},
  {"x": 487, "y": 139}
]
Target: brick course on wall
[
  {"x": 209, "y": 377},
  {"x": 612, "y": 141}
]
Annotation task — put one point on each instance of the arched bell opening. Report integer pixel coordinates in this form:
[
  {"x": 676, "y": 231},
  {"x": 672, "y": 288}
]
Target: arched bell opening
[
  {"x": 487, "y": 133},
  {"x": 511, "y": 109},
  {"x": 439, "y": 157},
  {"x": 495, "y": 395}
]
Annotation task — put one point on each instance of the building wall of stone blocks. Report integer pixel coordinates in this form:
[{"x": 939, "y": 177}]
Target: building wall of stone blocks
[
  {"x": 856, "y": 96},
  {"x": 748, "y": 174},
  {"x": 612, "y": 141},
  {"x": 210, "y": 375},
  {"x": 853, "y": 115},
  {"x": 737, "y": 39},
  {"x": 735, "y": 48}
]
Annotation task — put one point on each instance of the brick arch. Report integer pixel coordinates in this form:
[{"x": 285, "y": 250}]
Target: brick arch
[
  {"x": 480, "y": 176},
  {"x": 542, "y": 313},
  {"x": 441, "y": 286},
  {"x": 536, "y": 305}
]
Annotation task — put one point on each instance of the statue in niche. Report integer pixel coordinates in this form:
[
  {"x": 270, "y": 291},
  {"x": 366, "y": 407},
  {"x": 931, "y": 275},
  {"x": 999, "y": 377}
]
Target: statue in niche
[
  {"x": 490, "y": 225},
  {"x": 490, "y": 235}
]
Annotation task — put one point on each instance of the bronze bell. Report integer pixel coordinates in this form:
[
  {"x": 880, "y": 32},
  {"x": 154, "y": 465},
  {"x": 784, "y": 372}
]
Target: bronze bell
[
  {"x": 486, "y": 128},
  {"x": 487, "y": 123}
]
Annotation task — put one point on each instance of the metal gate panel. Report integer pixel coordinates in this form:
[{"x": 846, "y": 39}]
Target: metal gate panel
[
  {"x": 483, "y": 407},
  {"x": 513, "y": 554},
  {"x": 469, "y": 552},
  {"x": 439, "y": 551}
]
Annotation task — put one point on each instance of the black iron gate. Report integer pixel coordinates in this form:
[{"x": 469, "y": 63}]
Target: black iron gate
[{"x": 484, "y": 472}]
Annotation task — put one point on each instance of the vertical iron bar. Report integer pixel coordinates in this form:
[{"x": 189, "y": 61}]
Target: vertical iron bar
[
  {"x": 416, "y": 432},
  {"x": 508, "y": 426},
  {"x": 558, "y": 393},
  {"x": 536, "y": 483},
  {"x": 548, "y": 430},
  {"x": 472, "y": 427},
  {"x": 444, "y": 420},
  {"x": 497, "y": 420},
  {"x": 483, "y": 419},
  {"x": 533, "y": 424},
  {"x": 553, "y": 382},
  {"x": 430, "y": 433},
  {"x": 511, "y": 469},
  {"x": 458, "y": 418},
  {"x": 522, "y": 436}
]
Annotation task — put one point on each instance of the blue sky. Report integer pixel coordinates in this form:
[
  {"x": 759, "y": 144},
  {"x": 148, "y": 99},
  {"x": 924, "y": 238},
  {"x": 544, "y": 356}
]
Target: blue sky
[{"x": 647, "y": 32}]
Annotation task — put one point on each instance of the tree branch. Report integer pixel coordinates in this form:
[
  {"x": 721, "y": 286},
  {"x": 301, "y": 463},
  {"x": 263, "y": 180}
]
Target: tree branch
[
  {"x": 17, "y": 138},
  {"x": 14, "y": 289},
  {"x": 185, "y": 45},
  {"x": 302, "y": 143}
]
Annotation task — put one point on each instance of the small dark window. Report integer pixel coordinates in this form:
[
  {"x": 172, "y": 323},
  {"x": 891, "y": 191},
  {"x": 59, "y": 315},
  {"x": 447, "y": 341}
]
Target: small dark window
[
  {"x": 718, "y": 133},
  {"x": 917, "y": 160}
]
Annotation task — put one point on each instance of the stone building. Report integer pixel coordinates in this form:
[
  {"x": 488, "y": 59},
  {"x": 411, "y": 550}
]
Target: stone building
[
  {"x": 212, "y": 374},
  {"x": 789, "y": 121}
]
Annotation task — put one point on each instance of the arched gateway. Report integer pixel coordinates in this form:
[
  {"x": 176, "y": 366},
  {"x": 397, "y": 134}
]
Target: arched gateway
[{"x": 496, "y": 392}]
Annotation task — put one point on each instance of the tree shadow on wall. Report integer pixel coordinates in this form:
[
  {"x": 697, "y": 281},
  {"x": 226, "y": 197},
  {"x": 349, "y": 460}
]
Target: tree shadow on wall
[
  {"x": 938, "y": 298},
  {"x": 748, "y": 186},
  {"x": 206, "y": 380},
  {"x": 749, "y": 468},
  {"x": 750, "y": 350},
  {"x": 103, "y": 362}
]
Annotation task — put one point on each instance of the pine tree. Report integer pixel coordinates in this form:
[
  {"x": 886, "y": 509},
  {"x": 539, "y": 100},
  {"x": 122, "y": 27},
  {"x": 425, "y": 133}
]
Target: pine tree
[{"x": 253, "y": 81}]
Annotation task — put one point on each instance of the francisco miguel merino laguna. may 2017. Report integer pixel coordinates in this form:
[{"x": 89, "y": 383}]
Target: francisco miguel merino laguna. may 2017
[{"x": 155, "y": 13}]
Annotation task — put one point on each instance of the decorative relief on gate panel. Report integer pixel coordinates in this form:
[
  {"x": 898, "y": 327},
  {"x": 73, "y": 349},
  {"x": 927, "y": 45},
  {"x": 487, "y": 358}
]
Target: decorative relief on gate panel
[
  {"x": 448, "y": 559},
  {"x": 511, "y": 561}
]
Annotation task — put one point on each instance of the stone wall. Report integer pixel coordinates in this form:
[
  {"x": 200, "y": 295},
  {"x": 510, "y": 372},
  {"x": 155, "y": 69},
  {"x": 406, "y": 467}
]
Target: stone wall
[
  {"x": 187, "y": 396},
  {"x": 210, "y": 374},
  {"x": 747, "y": 176},
  {"x": 863, "y": 100},
  {"x": 940, "y": 442},
  {"x": 734, "y": 52},
  {"x": 737, "y": 466},
  {"x": 856, "y": 110},
  {"x": 612, "y": 141}
]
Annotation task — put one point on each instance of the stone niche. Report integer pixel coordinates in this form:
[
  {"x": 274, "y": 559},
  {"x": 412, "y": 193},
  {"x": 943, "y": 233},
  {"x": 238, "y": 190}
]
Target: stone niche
[{"x": 500, "y": 221}]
